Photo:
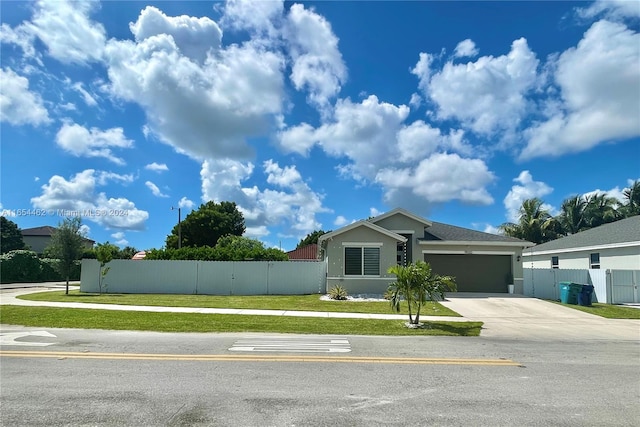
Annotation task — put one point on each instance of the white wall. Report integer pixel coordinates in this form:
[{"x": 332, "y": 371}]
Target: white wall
[{"x": 627, "y": 258}]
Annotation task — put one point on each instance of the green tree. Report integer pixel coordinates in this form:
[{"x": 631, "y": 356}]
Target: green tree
[
  {"x": 10, "y": 236},
  {"x": 105, "y": 252},
  {"x": 601, "y": 209},
  {"x": 127, "y": 252},
  {"x": 571, "y": 217},
  {"x": 631, "y": 206},
  {"x": 67, "y": 246},
  {"x": 238, "y": 248},
  {"x": 311, "y": 238},
  {"x": 205, "y": 225},
  {"x": 417, "y": 284},
  {"x": 535, "y": 224}
]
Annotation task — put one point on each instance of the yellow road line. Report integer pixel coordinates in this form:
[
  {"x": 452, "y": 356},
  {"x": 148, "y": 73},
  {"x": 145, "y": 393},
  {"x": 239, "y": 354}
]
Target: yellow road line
[{"x": 258, "y": 358}]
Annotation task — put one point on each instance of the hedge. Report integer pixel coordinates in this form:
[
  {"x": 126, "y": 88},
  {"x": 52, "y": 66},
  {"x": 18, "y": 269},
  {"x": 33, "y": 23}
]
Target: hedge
[{"x": 23, "y": 266}]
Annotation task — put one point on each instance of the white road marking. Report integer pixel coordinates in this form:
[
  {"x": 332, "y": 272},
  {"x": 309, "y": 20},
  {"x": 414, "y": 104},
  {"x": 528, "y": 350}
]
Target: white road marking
[
  {"x": 9, "y": 338},
  {"x": 293, "y": 345}
]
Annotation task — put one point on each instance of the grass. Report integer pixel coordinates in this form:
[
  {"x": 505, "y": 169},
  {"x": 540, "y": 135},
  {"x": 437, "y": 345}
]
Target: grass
[
  {"x": 54, "y": 317},
  {"x": 607, "y": 310},
  {"x": 260, "y": 302}
]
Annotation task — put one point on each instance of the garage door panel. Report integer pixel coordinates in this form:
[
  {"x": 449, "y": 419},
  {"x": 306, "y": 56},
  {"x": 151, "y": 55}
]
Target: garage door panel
[{"x": 473, "y": 273}]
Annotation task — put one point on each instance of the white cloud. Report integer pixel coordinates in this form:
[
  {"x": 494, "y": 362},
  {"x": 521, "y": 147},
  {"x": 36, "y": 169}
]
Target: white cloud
[
  {"x": 186, "y": 203},
  {"x": 261, "y": 17},
  {"x": 120, "y": 238},
  {"x": 488, "y": 95},
  {"x": 611, "y": 9},
  {"x": 317, "y": 62},
  {"x": 154, "y": 189},
  {"x": 83, "y": 142},
  {"x": 290, "y": 203},
  {"x": 18, "y": 105},
  {"x": 79, "y": 194},
  {"x": 415, "y": 101},
  {"x": 340, "y": 221},
  {"x": 103, "y": 177},
  {"x": 84, "y": 230},
  {"x": 466, "y": 48},
  {"x": 375, "y": 212},
  {"x": 195, "y": 38},
  {"x": 439, "y": 178},
  {"x": 157, "y": 167},
  {"x": 528, "y": 189},
  {"x": 86, "y": 96},
  {"x": 205, "y": 108},
  {"x": 67, "y": 31},
  {"x": 599, "y": 82},
  {"x": 419, "y": 140}
]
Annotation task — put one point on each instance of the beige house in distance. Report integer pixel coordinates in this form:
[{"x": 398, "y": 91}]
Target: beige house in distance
[
  {"x": 38, "y": 238},
  {"x": 358, "y": 255}
]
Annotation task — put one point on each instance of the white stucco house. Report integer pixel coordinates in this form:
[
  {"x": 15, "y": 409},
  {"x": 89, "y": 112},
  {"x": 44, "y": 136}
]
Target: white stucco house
[
  {"x": 358, "y": 255},
  {"x": 613, "y": 246}
]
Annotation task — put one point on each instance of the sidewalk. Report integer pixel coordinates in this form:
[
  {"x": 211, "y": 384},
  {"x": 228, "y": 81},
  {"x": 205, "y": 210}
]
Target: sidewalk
[{"x": 9, "y": 297}]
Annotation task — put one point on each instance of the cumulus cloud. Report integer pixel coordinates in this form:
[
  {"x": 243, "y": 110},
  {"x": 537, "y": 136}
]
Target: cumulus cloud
[
  {"x": 466, "y": 48},
  {"x": 79, "y": 194},
  {"x": 439, "y": 178},
  {"x": 528, "y": 189},
  {"x": 340, "y": 221},
  {"x": 611, "y": 9},
  {"x": 185, "y": 203},
  {"x": 261, "y": 17},
  {"x": 120, "y": 238},
  {"x": 486, "y": 96},
  {"x": 290, "y": 202},
  {"x": 18, "y": 105},
  {"x": 154, "y": 189},
  {"x": 317, "y": 62},
  {"x": 66, "y": 30},
  {"x": 82, "y": 142},
  {"x": 599, "y": 82},
  {"x": 203, "y": 107},
  {"x": 157, "y": 167}
]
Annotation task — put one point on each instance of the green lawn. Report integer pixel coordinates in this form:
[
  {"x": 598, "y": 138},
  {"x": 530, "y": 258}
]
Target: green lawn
[
  {"x": 54, "y": 317},
  {"x": 607, "y": 310},
  {"x": 261, "y": 302}
]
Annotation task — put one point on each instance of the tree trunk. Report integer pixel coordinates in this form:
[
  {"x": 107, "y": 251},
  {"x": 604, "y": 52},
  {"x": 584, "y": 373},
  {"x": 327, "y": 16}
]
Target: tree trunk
[{"x": 67, "y": 289}]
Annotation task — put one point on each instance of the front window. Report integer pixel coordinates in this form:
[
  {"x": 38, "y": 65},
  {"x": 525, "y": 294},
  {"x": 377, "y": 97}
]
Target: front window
[
  {"x": 594, "y": 261},
  {"x": 361, "y": 261},
  {"x": 554, "y": 262}
]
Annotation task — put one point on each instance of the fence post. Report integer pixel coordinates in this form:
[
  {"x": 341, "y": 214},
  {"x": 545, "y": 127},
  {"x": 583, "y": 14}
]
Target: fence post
[{"x": 609, "y": 287}]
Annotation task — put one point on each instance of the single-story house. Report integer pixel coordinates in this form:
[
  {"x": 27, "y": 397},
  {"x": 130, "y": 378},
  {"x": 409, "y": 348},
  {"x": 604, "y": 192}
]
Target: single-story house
[
  {"x": 612, "y": 246},
  {"x": 38, "y": 238},
  {"x": 305, "y": 253},
  {"x": 358, "y": 255}
]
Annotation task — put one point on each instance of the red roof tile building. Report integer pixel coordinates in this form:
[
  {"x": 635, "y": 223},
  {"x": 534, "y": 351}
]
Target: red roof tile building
[{"x": 305, "y": 253}]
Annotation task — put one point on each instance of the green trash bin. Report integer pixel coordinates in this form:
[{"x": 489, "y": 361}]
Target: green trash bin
[{"x": 569, "y": 292}]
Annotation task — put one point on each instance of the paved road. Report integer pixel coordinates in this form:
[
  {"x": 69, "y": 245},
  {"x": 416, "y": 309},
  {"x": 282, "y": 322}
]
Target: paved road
[{"x": 152, "y": 379}]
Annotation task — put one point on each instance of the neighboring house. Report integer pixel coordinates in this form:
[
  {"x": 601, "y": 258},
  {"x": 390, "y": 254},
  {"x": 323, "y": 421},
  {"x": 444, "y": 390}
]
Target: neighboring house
[
  {"x": 38, "y": 238},
  {"x": 305, "y": 253},
  {"x": 613, "y": 246},
  {"x": 358, "y": 255}
]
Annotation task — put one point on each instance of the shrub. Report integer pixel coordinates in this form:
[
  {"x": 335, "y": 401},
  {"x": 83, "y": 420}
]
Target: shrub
[
  {"x": 20, "y": 266},
  {"x": 338, "y": 293}
]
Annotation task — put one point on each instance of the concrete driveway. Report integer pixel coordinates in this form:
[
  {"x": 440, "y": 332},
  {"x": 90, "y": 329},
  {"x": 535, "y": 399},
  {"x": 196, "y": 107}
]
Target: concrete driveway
[{"x": 516, "y": 316}]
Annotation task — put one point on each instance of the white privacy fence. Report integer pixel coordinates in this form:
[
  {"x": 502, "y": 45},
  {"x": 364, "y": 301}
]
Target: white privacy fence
[
  {"x": 206, "y": 277},
  {"x": 609, "y": 286}
]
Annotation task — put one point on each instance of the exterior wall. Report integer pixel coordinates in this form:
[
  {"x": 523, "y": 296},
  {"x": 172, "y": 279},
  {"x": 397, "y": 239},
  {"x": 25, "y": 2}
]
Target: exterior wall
[
  {"x": 627, "y": 258},
  {"x": 514, "y": 251},
  {"x": 206, "y": 277},
  {"x": 400, "y": 224},
  {"x": 334, "y": 260},
  {"x": 36, "y": 243}
]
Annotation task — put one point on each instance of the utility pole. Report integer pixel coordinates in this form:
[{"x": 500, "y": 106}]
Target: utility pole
[{"x": 179, "y": 227}]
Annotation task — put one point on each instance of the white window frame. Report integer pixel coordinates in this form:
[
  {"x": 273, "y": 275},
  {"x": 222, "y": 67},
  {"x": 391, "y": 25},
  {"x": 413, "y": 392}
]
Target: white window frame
[{"x": 594, "y": 265}]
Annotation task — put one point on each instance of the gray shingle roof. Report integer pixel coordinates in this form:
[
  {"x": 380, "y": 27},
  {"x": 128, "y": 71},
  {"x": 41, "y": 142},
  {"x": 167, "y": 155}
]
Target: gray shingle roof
[
  {"x": 622, "y": 231},
  {"x": 440, "y": 231}
]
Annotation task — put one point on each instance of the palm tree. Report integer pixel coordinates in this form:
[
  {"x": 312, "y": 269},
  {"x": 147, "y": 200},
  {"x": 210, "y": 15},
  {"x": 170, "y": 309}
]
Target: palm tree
[
  {"x": 416, "y": 283},
  {"x": 632, "y": 196},
  {"x": 535, "y": 224},
  {"x": 571, "y": 216},
  {"x": 600, "y": 209}
]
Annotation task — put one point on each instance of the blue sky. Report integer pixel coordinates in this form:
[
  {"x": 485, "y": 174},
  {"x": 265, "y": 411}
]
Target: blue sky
[{"x": 312, "y": 115}]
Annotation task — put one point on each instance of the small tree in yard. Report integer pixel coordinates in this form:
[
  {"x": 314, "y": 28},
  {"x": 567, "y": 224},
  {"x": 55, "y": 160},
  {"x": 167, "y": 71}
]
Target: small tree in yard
[
  {"x": 416, "y": 284},
  {"x": 66, "y": 245},
  {"x": 104, "y": 254}
]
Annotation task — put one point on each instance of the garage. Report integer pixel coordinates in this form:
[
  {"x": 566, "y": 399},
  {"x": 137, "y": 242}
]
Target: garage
[{"x": 474, "y": 272}]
